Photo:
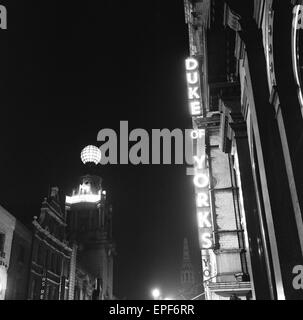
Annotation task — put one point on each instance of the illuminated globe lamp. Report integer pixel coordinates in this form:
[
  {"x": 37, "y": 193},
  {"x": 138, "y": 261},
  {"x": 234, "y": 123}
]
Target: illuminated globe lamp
[
  {"x": 91, "y": 154},
  {"x": 91, "y": 157}
]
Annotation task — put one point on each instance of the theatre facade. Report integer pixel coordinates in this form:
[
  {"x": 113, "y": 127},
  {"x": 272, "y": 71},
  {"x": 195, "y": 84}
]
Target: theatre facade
[{"x": 244, "y": 78}]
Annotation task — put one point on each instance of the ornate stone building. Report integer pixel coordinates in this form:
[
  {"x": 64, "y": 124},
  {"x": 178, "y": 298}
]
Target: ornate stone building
[
  {"x": 72, "y": 249},
  {"x": 90, "y": 228},
  {"x": 89, "y": 217},
  {"x": 51, "y": 252},
  {"x": 250, "y": 64}
]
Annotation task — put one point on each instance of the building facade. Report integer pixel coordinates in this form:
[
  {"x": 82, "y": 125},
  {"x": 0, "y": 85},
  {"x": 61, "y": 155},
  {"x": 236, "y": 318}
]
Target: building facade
[
  {"x": 89, "y": 218},
  {"x": 249, "y": 56},
  {"x": 7, "y": 227},
  {"x": 51, "y": 253},
  {"x": 68, "y": 253},
  {"x": 18, "y": 271},
  {"x": 85, "y": 285},
  {"x": 90, "y": 228}
]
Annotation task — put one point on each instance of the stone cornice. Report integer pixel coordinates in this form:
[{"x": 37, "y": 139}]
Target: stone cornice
[{"x": 51, "y": 237}]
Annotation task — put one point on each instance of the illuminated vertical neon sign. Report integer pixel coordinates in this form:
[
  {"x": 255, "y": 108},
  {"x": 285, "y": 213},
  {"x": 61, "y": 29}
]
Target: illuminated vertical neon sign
[
  {"x": 204, "y": 218},
  {"x": 200, "y": 173},
  {"x": 193, "y": 86},
  {"x": 201, "y": 182}
]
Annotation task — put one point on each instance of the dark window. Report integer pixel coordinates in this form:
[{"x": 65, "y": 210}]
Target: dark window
[
  {"x": 19, "y": 289},
  {"x": 49, "y": 260},
  {"x": 66, "y": 268},
  {"x": 45, "y": 258},
  {"x": 54, "y": 262},
  {"x": 83, "y": 223},
  {"x": 51, "y": 227},
  {"x": 40, "y": 254},
  {"x": 35, "y": 290},
  {"x": 35, "y": 252},
  {"x": 52, "y": 293},
  {"x": 21, "y": 256},
  {"x": 2, "y": 241},
  {"x": 77, "y": 293},
  {"x": 58, "y": 267},
  {"x": 32, "y": 289}
]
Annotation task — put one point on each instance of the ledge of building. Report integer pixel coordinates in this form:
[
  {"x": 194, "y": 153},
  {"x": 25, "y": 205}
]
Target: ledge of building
[{"x": 228, "y": 287}]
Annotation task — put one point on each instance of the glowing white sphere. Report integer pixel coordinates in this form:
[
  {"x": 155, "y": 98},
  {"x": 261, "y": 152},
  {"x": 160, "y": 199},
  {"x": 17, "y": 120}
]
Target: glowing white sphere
[{"x": 91, "y": 154}]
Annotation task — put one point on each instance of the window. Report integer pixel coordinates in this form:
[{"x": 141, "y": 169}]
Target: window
[
  {"x": 32, "y": 289},
  {"x": 58, "y": 267},
  {"x": 83, "y": 223},
  {"x": 40, "y": 254},
  {"x": 21, "y": 255},
  {"x": 77, "y": 293},
  {"x": 49, "y": 260},
  {"x": 52, "y": 293},
  {"x": 2, "y": 242},
  {"x": 53, "y": 262},
  {"x": 66, "y": 267},
  {"x": 19, "y": 289},
  {"x": 35, "y": 252},
  {"x": 35, "y": 290}
]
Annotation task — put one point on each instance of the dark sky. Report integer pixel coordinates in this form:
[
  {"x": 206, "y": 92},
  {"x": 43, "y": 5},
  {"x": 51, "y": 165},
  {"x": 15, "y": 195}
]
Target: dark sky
[{"x": 74, "y": 68}]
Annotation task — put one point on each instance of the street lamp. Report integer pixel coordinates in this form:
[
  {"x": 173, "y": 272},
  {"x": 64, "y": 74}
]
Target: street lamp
[{"x": 156, "y": 293}]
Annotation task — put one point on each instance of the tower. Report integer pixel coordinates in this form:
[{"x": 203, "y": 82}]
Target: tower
[
  {"x": 90, "y": 225},
  {"x": 188, "y": 289}
]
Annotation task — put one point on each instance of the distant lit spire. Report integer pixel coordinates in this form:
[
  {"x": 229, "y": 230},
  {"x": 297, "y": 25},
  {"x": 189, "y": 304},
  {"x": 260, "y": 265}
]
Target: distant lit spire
[{"x": 91, "y": 154}]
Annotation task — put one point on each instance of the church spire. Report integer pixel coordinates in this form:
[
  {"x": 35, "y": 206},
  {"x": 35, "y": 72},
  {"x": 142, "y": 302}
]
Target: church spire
[
  {"x": 187, "y": 273},
  {"x": 186, "y": 256}
]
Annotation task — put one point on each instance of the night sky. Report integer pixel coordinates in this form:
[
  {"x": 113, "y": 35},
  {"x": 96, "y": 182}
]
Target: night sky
[{"x": 75, "y": 68}]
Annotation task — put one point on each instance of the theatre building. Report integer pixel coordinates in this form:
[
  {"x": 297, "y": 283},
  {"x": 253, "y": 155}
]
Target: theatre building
[
  {"x": 51, "y": 252},
  {"x": 72, "y": 248},
  {"x": 89, "y": 218},
  {"x": 244, "y": 77}
]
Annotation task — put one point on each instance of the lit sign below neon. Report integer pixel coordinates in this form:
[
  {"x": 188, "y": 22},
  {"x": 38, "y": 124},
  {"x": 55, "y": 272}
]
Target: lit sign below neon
[
  {"x": 203, "y": 209},
  {"x": 201, "y": 182}
]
